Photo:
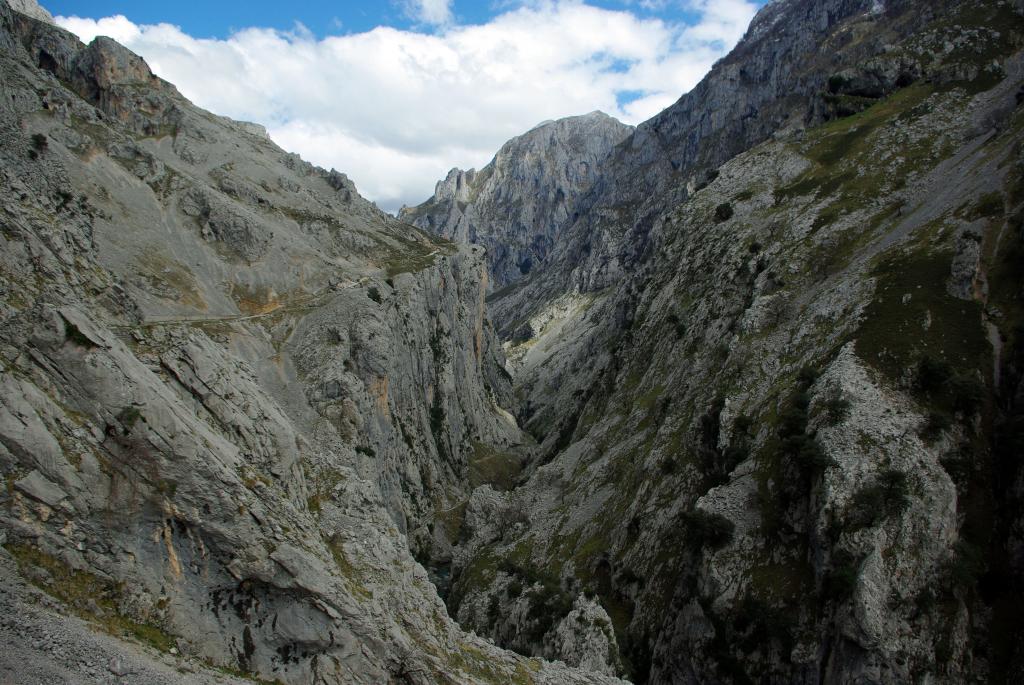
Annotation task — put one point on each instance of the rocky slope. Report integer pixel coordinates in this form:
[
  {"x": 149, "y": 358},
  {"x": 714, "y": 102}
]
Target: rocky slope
[
  {"x": 774, "y": 371},
  {"x": 517, "y": 205},
  {"x": 236, "y": 397}
]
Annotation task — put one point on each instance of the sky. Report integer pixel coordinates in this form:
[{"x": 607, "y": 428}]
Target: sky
[{"x": 396, "y": 92}]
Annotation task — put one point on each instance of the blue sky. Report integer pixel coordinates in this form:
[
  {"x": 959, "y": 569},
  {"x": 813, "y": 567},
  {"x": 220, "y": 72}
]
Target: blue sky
[
  {"x": 220, "y": 19},
  {"x": 396, "y": 93}
]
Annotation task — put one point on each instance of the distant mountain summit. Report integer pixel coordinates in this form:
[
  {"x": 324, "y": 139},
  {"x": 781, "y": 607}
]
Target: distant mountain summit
[
  {"x": 32, "y": 9},
  {"x": 516, "y": 205}
]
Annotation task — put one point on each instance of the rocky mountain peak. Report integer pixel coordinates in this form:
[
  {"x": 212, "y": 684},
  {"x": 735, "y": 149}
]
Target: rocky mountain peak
[
  {"x": 32, "y": 9},
  {"x": 755, "y": 412},
  {"x": 516, "y": 205}
]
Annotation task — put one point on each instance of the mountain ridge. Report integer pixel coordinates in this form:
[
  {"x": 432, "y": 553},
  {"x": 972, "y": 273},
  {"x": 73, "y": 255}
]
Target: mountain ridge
[
  {"x": 724, "y": 363},
  {"x": 237, "y": 398},
  {"x": 751, "y": 412},
  {"x": 522, "y": 193}
]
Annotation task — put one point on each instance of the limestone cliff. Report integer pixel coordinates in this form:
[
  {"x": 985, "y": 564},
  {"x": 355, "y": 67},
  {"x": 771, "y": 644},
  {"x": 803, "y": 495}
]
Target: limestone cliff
[
  {"x": 517, "y": 205},
  {"x": 773, "y": 369},
  {"x": 236, "y": 397}
]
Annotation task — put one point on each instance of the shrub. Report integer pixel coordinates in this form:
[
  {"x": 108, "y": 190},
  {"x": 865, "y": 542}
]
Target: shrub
[
  {"x": 723, "y": 212},
  {"x": 935, "y": 425},
  {"x": 967, "y": 393},
  {"x": 966, "y": 565},
  {"x": 548, "y": 605},
  {"x": 887, "y": 496},
  {"x": 811, "y": 455},
  {"x": 128, "y": 417},
  {"x": 374, "y": 294},
  {"x": 940, "y": 382},
  {"x": 989, "y": 205},
  {"x": 837, "y": 408},
  {"x": 39, "y": 145},
  {"x": 677, "y": 325},
  {"x": 804, "y": 449},
  {"x": 932, "y": 374},
  {"x": 841, "y": 582},
  {"x": 806, "y": 377},
  {"x": 742, "y": 425},
  {"x": 705, "y": 529},
  {"x": 734, "y": 455}
]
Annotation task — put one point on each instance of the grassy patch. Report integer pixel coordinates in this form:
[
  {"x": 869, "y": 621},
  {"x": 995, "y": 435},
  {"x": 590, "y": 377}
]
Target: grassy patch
[
  {"x": 88, "y": 596},
  {"x": 839, "y": 148},
  {"x": 489, "y": 465},
  {"x": 353, "y": 578},
  {"x": 912, "y": 316}
]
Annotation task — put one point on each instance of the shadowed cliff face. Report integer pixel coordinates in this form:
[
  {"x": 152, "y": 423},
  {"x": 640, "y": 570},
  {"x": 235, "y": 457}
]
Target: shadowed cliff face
[
  {"x": 517, "y": 205},
  {"x": 772, "y": 371},
  {"x": 236, "y": 398}
]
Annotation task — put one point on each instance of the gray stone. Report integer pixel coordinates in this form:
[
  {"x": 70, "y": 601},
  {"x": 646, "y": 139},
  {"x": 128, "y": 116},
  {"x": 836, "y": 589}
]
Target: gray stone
[
  {"x": 118, "y": 667},
  {"x": 36, "y": 486},
  {"x": 32, "y": 9}
]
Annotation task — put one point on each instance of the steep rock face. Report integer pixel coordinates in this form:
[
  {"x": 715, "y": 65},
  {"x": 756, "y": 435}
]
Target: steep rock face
[
  {"x": 779, "y": 68},
  {"x": 236, "y": 396},
  {"x": 775, "y": 446},
  {"x": 518, "y": 204},
  {"x": 32, "y": 9},
  {"x": 786, "y": 74}
]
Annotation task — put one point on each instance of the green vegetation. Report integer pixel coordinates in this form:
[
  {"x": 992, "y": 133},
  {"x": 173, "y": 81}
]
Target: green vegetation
[
  {"x": 437, "y": 425},
  {"x": 706, "y": 530},
  {"x": 723, "y": 212},
  {"x": 171, "y": 280},
  {"x": 796, "y": 443},
  {"x": 885, "y": 497},
  {"x": 841, "y": 147},
  {"x": 841, "y": 581},
  {"x": 88, "y": 596},
  {"x": 837, "y": 408},
  {"x": 913, "y": 321},
  {"x": 407, "y": 255},
  {"x": 677, "y": 326},
  {"x": 128, "y": 417},
  {"x": 39, "y": 145},
  {"x": 988, "y": 206},
  {"x": 493, "y": 466},
  {"x": 352, "y": 576}
]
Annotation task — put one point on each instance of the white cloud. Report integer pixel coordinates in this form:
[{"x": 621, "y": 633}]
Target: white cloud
[
  {"x": 396, "y": 109},
  {"x": 435, "y": 12}
]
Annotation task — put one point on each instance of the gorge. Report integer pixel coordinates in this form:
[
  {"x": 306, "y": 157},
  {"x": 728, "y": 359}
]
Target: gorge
[{"x": 731, "y": 396}]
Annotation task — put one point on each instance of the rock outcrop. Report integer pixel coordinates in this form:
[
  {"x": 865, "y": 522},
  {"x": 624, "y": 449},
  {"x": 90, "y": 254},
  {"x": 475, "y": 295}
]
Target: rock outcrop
[
  {"x": 766, "y": 351},
  {"x": 236, "y": 398},
  {"x": 772, "y": 369},
  {"x": 517, "y": 205}
]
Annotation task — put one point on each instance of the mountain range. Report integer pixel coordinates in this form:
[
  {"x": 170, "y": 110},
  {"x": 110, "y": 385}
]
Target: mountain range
[{"x": 731, "y": 396}]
